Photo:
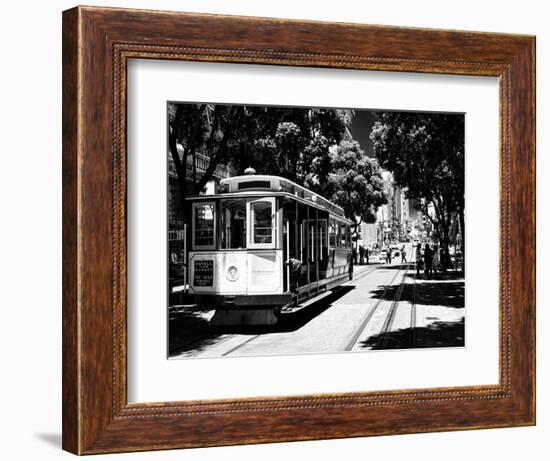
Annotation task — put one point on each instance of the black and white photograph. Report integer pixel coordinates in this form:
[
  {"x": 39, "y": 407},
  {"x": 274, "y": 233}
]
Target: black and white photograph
[
  {"x": 248, "y": 230},
  {"x": 307, "y": 230}
]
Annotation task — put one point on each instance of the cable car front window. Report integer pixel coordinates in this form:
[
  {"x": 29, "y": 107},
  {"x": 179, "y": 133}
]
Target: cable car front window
[
  {"x": 262, "y": 222},
  {"x": 233, "y": 223},
  {"x": 204, "y": 232}
]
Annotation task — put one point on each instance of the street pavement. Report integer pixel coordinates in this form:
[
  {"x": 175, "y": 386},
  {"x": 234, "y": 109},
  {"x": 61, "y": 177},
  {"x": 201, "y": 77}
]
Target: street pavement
[{"x": 385, "y": 306}]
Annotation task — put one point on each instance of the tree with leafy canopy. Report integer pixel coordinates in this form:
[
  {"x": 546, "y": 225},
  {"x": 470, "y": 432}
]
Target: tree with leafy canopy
[
  {"x": 355, "y": 183},
  {"x": 425, "y": 153},
  {"x": 302, "y": 145},
  {"x": 223, "y": 130},
  {"x": 289, "y": 140},
  {"x": 274, "y": 140}
]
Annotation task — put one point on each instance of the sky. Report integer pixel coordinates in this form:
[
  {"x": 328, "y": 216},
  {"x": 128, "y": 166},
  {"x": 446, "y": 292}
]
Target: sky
[{"x": 361, "y": 127}]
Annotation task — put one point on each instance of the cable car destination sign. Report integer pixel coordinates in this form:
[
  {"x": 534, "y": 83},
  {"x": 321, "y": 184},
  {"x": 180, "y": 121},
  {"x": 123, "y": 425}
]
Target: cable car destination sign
[{"x": 203, "y": 273}]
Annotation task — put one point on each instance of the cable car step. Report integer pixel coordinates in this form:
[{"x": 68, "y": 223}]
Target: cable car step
[{"x": 182, "y": 307}]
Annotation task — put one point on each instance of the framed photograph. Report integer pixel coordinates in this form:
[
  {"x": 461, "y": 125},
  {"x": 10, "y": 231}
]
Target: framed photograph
[{"x": 280, "y": 230}]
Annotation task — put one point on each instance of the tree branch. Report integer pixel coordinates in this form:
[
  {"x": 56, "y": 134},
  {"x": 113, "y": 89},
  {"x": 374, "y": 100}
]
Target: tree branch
[
  {"x": 173, "y": 145},
  {"x": 214, "y": 161}
]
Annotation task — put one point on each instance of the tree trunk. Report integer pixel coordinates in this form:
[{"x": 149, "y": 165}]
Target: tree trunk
[
  {"x": 463, "y": 242},
  {"x": 180, "y": 167},
  {"x": 356, "y": 227},
  {"x": 462, "y": 228},
  {"x": 443, "y": 224},
  {"x": 212, "y": 164},
  {"x": 176, "y": 135}
]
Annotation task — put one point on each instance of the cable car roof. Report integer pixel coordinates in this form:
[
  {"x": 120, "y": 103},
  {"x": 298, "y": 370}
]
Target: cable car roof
[{"x": 239, "y": 185}]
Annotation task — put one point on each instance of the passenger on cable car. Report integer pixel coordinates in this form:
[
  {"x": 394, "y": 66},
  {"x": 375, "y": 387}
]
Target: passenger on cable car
[{"x": 295, "y": 266}]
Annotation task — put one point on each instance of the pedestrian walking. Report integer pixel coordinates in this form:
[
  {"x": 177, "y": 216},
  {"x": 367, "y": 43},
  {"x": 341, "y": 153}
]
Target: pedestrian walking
[
  {"x": 428, "y": 260},
  {"x": 388, "y": 256},
  {"x": 418, "y": 258},
  {"x": 367, "y": 252},
  {"x": 436, "y": 261},
  {"x": 361, "y": 255},
  {"x": 403, "y": 254}
]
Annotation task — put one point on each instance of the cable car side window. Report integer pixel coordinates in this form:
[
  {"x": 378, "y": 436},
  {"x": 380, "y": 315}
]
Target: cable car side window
[
  {"x": 332, "y": 234},
  {"x": 323, "y": 238},
  {"x": 204, "y": 226},
  {"x": 262, "y": 223},
  {"x": 344, "y": 231},
  {"x": 338, "y": 234}
]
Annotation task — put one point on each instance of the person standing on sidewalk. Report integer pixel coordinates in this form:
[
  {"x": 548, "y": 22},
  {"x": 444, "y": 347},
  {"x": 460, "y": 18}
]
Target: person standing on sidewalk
[
  {"x": 367, "y": 255},
  {"x": 418, "y": 258},
  {"x": 428, "y": 259},
  {"x": 361, "y": 255},
  {"x": 403, "y": 254}
]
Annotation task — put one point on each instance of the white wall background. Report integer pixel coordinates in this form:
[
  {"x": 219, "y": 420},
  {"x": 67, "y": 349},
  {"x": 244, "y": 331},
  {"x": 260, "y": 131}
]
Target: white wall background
[{"x": 30, "y": 228}]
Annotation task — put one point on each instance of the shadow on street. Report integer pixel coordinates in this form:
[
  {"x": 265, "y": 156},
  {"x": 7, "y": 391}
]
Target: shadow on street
[
  {"x": 437, "y": 334},
  {"x": 445, "y": 290},
  {"x": 192, "y": 331}
]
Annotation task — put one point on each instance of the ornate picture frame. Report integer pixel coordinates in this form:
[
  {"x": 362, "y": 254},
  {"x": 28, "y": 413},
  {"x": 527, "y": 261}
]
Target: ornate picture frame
[{"x": 97, "y": 44}]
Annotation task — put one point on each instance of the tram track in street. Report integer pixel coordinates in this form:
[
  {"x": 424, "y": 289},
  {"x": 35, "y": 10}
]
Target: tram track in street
[
  {"x": 186, "y": 349},
  {"x": 361, "y": 275},
  {"x": 182, "y": 348},
  {"x": 357, "y": 333},
  {"x": 365, "y": 321},
  {"x": 413, "y": 313},
  {"x": 238, "y": 346},
  {"x": 390, "y": 317},
  {"x": 335, "y": 291},
  {"x": 391, "y": 314}
]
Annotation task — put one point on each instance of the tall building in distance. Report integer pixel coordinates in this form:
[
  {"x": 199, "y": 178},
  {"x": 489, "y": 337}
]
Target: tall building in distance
[
  {"x": 369, "y": 234},
  {"x": 395, "y": 221},
  {"x": 400, "y": 214}
]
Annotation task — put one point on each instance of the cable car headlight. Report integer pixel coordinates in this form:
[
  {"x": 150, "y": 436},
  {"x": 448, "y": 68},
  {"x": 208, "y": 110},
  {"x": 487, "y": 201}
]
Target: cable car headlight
[{"x": 232, "y": 273}]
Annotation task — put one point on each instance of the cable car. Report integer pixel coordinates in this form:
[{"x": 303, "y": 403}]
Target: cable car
[{"x": 261, "y": 243}]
